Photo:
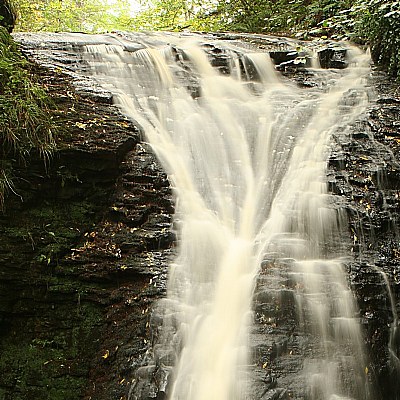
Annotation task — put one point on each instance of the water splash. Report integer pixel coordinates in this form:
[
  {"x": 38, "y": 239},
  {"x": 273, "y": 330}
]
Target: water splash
[
  {"x": 394, "y": 332},
  {"x": 247, "y": 162}
]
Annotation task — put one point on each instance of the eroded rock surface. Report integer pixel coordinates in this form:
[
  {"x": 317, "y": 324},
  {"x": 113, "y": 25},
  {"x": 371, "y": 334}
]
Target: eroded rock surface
[
  {"x": 84, "y": 242},
  {"x": 84, "y": 256}
]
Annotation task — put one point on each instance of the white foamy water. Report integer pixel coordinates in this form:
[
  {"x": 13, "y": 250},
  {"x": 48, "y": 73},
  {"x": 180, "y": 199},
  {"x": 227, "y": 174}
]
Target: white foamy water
[
  {"x": 247, "y": 162},
  {"x": 394, "y": 332}
]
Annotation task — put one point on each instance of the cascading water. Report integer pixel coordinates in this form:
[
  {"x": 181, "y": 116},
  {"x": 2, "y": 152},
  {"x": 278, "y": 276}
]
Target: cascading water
[
  {"x": 246, "y": 154},
  {"x": 394, "y": 329}
]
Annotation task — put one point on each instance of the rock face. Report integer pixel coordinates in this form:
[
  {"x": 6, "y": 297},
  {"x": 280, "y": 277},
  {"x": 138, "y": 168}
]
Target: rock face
[
  {"x": 364, "y": 174},
  {"x": 84, "y": 255},
  {"x": 368, "y": 177},
  {"x": 80, "y": 256}
]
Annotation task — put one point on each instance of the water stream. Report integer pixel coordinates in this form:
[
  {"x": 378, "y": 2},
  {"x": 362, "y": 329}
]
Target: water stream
[
  {"x": 246, "y": 155},
  {"x": 394, "y": 333},
  {"x": 246, "y": 152}
]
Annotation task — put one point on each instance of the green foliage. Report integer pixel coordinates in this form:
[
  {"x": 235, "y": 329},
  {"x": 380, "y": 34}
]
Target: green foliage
[
  {"x": 176, "y": 15},
  {"x": 71, "y": 15},
  {"x": 239, "y": 15},
  {"x": 380, "y": 24},
  {"x": 375, "y": 22},
  {"x": 25, "y": 125}
]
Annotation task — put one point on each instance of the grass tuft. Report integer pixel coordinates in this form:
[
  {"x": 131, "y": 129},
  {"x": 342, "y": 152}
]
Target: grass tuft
[{"x": 26, "y": 125}]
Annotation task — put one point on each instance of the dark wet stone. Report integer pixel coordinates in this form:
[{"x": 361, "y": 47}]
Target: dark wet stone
[
  {"x": 109, "y": 206},
  {"x": 290, "y": 60},
  {"x": 332, "y": 58},
  {"x": 275, "y": 394},
  {"x": 388, "y": 100},
  {"x": 280, "y": 57},
  {"x": 75, "y": 282}
]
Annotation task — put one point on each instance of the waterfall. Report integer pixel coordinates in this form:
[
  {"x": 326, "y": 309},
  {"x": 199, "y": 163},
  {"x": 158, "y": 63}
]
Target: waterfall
[
  {"x": 246, "y": 152},
  {"x": 394, "y": 333}
]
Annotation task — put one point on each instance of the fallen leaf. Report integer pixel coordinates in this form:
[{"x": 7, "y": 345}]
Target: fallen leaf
[{"x": 106, "y": 354}]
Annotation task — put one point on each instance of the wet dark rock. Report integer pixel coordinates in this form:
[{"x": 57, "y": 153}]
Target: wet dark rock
[
  {"x": 84, "y": 257},
  {"x": 292, "y": 60},
  {"x": 368, "y": 178},
  {"x": 270, "y": 381},
  {"x": 76, "y": 282},
  {"x": 276, "y": 394},
  {"x": 280, "y": 57},
  {"x": 332, "y": 58},
  {"x": 388, "y": 100},
  {"x": 219, "y": 58}
]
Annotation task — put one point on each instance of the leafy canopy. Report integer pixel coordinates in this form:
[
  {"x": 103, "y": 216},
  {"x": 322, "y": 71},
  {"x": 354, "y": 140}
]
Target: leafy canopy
[
  {"x": 376, "y": 22},
  {"x": 71, "y": 15}
]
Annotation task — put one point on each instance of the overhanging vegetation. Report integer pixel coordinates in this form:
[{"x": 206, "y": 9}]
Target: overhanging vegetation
[
  {"x": 372, "y": 22},
  {"x": 25, "y": 122}
]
